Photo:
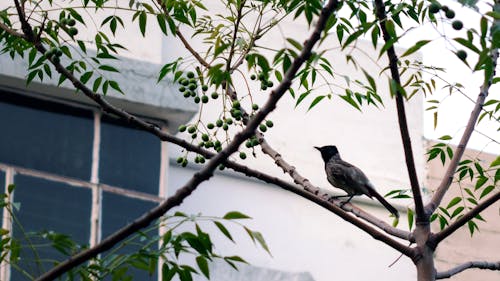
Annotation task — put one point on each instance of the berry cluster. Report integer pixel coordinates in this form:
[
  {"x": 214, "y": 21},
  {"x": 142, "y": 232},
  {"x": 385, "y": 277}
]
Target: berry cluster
[
  {"x": 436, "y": 7},
  {"x": 68, "y": 24},
  {"x": 189, "y": 86},
  {"x": 264, "y": 80},
  {"x": 54, "y": 53}
]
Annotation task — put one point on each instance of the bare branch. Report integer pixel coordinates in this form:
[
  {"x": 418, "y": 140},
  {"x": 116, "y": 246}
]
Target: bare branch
[
  {"x": 468, "y": 265},
  {"x": 440, "y": 236},
  {"x": 450, "y": 171},
  {"x": 208, "y": 169},
  {"x": 421, "y": 216},
  {"x": 11, "y": 31}
]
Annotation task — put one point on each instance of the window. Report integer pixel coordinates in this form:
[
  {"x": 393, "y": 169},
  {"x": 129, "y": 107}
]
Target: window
[{"x": 60, "y": 155}]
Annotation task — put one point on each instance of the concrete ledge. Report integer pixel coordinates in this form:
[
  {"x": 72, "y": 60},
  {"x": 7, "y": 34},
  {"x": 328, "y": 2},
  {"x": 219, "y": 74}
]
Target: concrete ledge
[{"x": 143, "y": 96}]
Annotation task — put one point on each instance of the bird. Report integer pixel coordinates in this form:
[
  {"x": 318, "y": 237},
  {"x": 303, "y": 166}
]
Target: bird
[{"x": 349, "y": 178}]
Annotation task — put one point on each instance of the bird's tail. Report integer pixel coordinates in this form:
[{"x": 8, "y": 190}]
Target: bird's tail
[{"x": 386, "y": 204}]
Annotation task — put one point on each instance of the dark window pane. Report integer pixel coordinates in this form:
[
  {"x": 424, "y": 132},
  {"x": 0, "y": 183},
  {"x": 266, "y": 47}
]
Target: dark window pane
[
  {"x": 118, "y": 211},
  {"x": 45, "y": 136},
  {"x": 48, "y": 206},
  {"x": 129, "y": 158},
  {"x": 2, "y": 188}
]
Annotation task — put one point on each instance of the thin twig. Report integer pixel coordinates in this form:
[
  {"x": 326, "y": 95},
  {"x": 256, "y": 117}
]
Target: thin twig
[{"x": 468, "y": 265}]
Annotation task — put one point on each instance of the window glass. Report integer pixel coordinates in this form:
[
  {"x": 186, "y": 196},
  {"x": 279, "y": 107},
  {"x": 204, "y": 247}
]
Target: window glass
[
  {"x": 118, "y": 211},
  {"x": 129, "y": 158},
  {"x": 2, "y": 188},
  {"x": 57, "y": 139},
  {"x": 44, "y": 206}
]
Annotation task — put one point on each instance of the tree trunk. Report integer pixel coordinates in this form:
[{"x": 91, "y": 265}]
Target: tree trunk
[{"x": 425, "y": 257}]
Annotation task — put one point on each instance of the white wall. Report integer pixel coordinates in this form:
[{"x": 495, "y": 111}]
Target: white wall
[{"x": 301, "y": 235}]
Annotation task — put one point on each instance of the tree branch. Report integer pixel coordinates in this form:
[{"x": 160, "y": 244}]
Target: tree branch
[
  {"x": 421, "y": 216},
  {"x": 469, "y": 129},
  {"x": 179, "y": 34},
  {"x": 440, "y": 236},
  {"x": 207, "y": 171},
  {"x": 468, "y": 265}
]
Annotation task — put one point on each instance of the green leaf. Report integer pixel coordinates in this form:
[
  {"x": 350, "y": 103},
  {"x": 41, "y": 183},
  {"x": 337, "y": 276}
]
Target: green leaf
[
  {"x": 108, "y": 68},
  {"x": 96, "y": 84},
  {"x": 142, "y": 22},
  {"x": 457, "y": 211},
  {"x": 495, "y": 162},
  {"x": 410, "y": 218},
  {"x": 315, "y": 102},
  {"x": 472, "y": 225},
  {"x": 487, "y": 191},
  {"x": 258, "y": 236},
  {"x": 480, "y": 182},
  {"x": 415, "y": 47},
  {"x": 86, "y": 77},
  {"x": 235, "y": 215},
  {"x": 202, "y": 263},
  {"x": 115, "y": 86},
  {"x": 224, "y": 230},
  {"x": 454, "y": 202}
]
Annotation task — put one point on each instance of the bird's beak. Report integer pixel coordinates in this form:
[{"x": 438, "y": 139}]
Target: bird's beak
[{"x": 317, "y": 148}]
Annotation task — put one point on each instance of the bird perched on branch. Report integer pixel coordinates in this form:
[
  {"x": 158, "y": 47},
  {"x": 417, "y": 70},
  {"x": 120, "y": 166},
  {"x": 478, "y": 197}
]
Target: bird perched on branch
[{"x": 349, "y": 178}]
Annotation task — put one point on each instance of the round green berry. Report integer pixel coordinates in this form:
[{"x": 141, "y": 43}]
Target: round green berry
[
  {"x": 73, "y": 31},
  {"x": 217, "y": 144},
  {"x": 182, "y": 128},
  {"x": 190, "y": 74},
  {"x": 263, "y": 87},
  {"x": 434, "y": 7},
  {"x": 457, "y": 25},
  {"x": 192, "y": 81},
  {"x": 184, "y": 162},
  {"x": 209, "y": 144},
  {"x": 196, "y": 160},
  {"x": 262, "y": 76},
  {"x": 262, "y": 127},
  {"x": 192, "y": 93},
  {"x": 197, "y": 99},
  {"x": 192, "y": 87},
  {"x": 191, "y": 129},
  {"x": 269, "y": 123},
  {"x": 445, "y": 8},
  {"x": 225, "y": 127},
  {"x": 215, "y": 95},
  {"x": 461, "y": 54},
  {"x": 204, "y": 99},
  {"x": 255, "y": 106},
  {"x": 184, "y": 82},
  {"x": 270, "y": 83},
  {"x": 179, "y": 160},
  {"x": 255, "y": 142},
  {"x": 229, "y": 121},
  {"x": 253, "y": 77},
  {"x": 243, "y": 155},
  {"x": 56, "y": 59},
  {"x": 71, "y": 22},
  {"x": 187, "y": 94},
  {"x": 221, "y": 167},
  {"x": 210, "y": 126},
  {"x": 450, "y": 14},
  {"x": 182, "y": 89},
  {"x": 58, "y": 53},
  {"x": 219, "y": 123},
  {"x": 204, "y": 88},
  {"x": 193, "y": 136},
  {"x": 248, "y": 143},
  {"x": 236, "y": 104},
  {"x": 204, "y": 137}
]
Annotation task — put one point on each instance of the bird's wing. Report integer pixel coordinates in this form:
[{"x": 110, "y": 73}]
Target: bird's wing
[{"x": 349, "y": 178}]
